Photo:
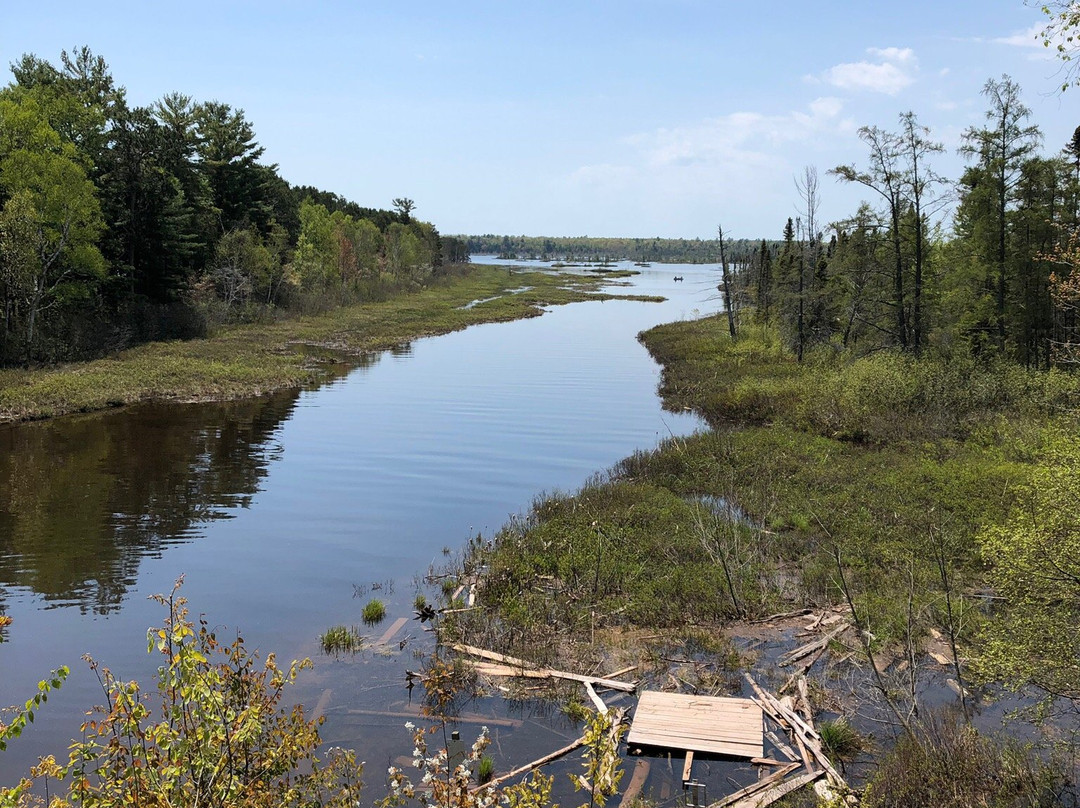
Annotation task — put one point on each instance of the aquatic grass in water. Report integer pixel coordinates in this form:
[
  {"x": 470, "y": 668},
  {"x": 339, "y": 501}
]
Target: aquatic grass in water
[
  {"x": 374, "y": 611},
  {"x": 341, "y": 640},
  {"x": 840, "y": 740}
]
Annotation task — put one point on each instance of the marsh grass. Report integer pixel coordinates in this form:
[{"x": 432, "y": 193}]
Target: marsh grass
[
  {"x": 485, "y": 770},
  {"x": 878, "y": 399},
  {"x": 341, "y": 640},
  {"x": 879, "y": 462},
  {"x": 374, "y": 612},
  {"x": 246, "y": 360},
  {"x": 840, "y": 740}
]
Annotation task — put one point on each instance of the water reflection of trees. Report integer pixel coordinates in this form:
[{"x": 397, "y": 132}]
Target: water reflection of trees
[{"x": 84, "y": 500}]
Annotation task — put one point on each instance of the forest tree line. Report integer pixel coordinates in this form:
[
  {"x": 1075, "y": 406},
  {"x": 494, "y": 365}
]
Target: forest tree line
[
  {"x": 591, "y": 248},
  {"x": 997, "y": 279},
  {"x": 121, "y": 224}
]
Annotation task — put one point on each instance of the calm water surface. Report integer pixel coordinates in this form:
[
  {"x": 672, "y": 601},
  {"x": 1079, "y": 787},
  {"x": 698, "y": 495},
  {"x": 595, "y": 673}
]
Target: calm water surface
[{"x": 286, "y": 512}]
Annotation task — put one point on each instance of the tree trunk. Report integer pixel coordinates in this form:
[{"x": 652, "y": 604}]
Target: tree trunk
[{"x": 727, "y": 284}]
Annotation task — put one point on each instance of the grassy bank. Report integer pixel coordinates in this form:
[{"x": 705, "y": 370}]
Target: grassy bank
[
  {"x": 252, "y": 359},
  {"x": 873, "y": 467},
  {"x": 873, "y": 481}
]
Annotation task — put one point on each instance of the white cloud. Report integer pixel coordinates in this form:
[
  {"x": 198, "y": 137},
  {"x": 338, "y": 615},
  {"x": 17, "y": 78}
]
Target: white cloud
[
  {"x": 894, "y": 70},
  {"x": 1028, "y": 38},
  {"x": 897, "y": 55},
  {"x": 1032, "y": 40},
  {"x": 679, "y": 177},
  {"x": 740, "y": 136}
]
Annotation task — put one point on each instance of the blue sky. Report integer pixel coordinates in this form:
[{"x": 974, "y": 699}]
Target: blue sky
[{"x": 629, "y": 118}]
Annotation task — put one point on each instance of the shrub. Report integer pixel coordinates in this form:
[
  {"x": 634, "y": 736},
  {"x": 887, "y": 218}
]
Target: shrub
[
  {"x": 949, "y": 765},
  {"x": 217, "y": 734}
]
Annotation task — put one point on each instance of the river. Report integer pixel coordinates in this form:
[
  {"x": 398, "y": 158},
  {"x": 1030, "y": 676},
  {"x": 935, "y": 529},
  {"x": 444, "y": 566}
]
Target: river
[{"x": 287, "y": 512}]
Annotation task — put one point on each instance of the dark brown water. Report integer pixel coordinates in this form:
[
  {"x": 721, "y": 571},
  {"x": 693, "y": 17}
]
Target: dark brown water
[{"x": 287, "y": 512}]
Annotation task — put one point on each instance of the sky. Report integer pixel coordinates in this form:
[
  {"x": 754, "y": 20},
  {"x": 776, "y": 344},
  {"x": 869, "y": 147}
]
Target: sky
[{"x": 622, "y": 118}]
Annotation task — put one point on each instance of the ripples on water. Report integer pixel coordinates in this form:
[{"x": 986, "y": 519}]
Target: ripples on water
[{"x": 278, "y": 509}]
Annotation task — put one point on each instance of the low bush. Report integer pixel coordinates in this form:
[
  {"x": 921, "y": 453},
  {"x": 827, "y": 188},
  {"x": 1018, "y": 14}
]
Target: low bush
[{"x": 947, "y": 764}]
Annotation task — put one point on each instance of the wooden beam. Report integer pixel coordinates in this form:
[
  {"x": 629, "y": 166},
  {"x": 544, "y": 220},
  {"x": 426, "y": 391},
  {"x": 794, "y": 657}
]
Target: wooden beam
[
  {"x": 395, "y": 627},
  {"x": 773, "y": 794},
  {"x": 810, "y": 647},
  {"x": 688, "y": 763},
  {"x": 785, "y": 750},
  {"x": 470, "y": 718},
  {"x": 764, "y": 761},
  {"x": 754, "y": 788},
  {"x": 637, "y": 782},
  {"x": 536, "y": 764},
  {"x": 599, "y": 702},
  {"x": 596, "y": 681}
]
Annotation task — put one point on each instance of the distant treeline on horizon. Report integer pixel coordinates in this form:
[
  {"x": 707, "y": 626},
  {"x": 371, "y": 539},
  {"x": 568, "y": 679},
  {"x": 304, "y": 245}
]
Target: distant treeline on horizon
[{"x": 586, "y": 248}]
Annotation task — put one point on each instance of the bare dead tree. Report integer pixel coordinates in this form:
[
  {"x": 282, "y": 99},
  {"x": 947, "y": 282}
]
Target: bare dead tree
[{"x": 726, "y": 283}]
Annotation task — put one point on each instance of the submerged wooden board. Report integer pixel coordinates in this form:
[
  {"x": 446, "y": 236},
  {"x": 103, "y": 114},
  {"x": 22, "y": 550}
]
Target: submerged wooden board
[{"x": 720, "y": 726}]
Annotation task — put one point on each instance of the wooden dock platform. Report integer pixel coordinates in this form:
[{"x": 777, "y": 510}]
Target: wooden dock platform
[{"x": 711, "y": 724}]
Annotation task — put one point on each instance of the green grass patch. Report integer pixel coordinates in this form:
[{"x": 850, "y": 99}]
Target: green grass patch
[
  {"x": 878, "y": 468},
  {"x": 840, "y": 740},
  {"x": 374, "y": 612},
  {"x": 341, "y": 640}
]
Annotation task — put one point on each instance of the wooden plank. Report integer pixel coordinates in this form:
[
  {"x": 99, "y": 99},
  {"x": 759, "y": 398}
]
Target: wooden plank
[
  {"x": 785, "y": 750},
  {"x": 599, "y": 702},
  {"x": 715, "y": 725},
  {"x": 742, "y": 718},
  {"x": 803, "y": 752},
  {"x": 804, "y": 700},
  {"x": 753, "y": 788},
  {"x": 747, "y": 738},
  {"x": 659, "y": 697},
  {"x": 637, "y": 782},
  {"x": 702, "y": 712},
  {"x": 688, "y": 764},
  {"x": 675, "y": 731},
  {"x": 717, "y": 748},
  {"x": 781, "y": 712},
  {"x": 596, "y": 681},
  {"x": 746, "y": 722},
  {"x": 483, "y": 653},
  {"x": 810, "y": 647},
  {"x": 673, "y": 739},
  {"x": 323, "y": 703},
  {"x": 470, "y": 718},
  {"x": 711, "y": 731},
  {"x": 767, "y": 762},
  {"x": 395, "y": 627},
  {"x": 528, "y": 767},
  {"x": 768, "y": 797}
]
